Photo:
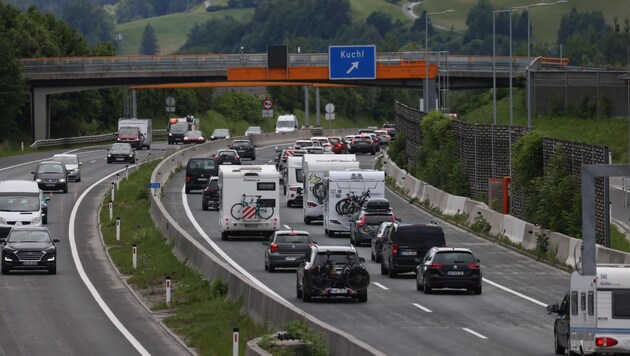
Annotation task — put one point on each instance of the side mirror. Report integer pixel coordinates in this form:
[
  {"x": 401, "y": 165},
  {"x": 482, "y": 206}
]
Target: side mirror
[
  {"x": 3, "y": 240},
  {"x": 46, "y": 200},
  {"x": 80, "y": 163},
  {"x": 55, "y": 240},
  {"x": 32, "y": 172},
  {"x": 553, "y": 308},
  {"x": 361, "y": 259}
]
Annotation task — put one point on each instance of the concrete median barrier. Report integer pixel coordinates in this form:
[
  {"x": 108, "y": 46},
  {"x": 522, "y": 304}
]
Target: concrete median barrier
[
  {"x": 514, "y": 228},
  {"x": 262, "y": 304},
  {"x": 454, "y": 205}
]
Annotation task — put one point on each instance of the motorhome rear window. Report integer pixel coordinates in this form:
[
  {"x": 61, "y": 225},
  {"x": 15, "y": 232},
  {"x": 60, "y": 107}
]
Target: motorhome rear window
[
  {"x": 621, "y": 304},
  {"x": 574, "y": 303},
  {"x": 266, "y": 186},
  {"x": 299, "y": 176}
]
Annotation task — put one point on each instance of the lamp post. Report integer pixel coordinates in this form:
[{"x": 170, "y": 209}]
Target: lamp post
[
  {"x": 426, "y": 55},
  {"x": 494, "y": 70},
  {"x": 529, "y": 59}
]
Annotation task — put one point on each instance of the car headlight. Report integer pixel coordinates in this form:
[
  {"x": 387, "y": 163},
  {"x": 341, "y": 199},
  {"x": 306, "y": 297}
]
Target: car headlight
[
  {"x": 212, "y": 137},
  {"x": 108, "y": 155},
  {"x": 38, "y": 180},
  {"x": 131, "y": 155},
  {"x": 50, "y": 249},
  {"x": 3, "y": 220},
  {"x": 76, "y": 170},
  {"x": 170, "y": 134},
  {"x": 185, "y": 138},
  {"x": 62, "y": 180},
  {"x": 36, "y": 220}
]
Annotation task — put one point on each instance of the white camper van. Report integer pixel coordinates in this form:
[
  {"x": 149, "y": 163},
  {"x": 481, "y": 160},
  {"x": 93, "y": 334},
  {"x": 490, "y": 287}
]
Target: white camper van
[
  {"x": 287, "y": 123},
  {"x": 315, "y": 168},
  {"x": 594, "y": 316},
  {"x": 20, "y": 202},
  {"x": 250, "y": 197},
  {"x": 145, "y": 127},
  {"x": 294, "y": 181},
  {"x": 344, "y": 186}
]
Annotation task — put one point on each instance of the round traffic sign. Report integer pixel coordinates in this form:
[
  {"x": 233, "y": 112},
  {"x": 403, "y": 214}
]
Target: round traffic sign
[
  {"x": 267, "y": 104},
  {"x": 170, "y": 101},
  {"x": 330, "y": 108}
]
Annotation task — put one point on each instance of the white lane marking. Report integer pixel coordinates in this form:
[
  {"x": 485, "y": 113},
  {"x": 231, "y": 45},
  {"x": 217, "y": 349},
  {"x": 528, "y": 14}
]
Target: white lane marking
[
  {"x": 380, "y": 285},
  {"x": 421, "y": 307},
  {"x": 515, "y": 293},
  {"x": 38, "y": 160},
  {"x": 77, "y": 261},
  {"x": 219, "y": 250},
  {"x": 287, "y": 227},
  {"x": 474, "y": 333}
]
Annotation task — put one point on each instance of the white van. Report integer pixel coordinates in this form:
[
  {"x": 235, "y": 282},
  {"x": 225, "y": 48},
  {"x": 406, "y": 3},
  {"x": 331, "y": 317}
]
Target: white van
[
  {"x": 20, "y": 201},
  {"x": 250, "y": 200},
  {"x": 286, "y": 123},
  {"x": 341, "y": 187},
  {"x": 294, "y": 181},
  {"x": 594, "y": 316},
  {"x": 315, "y": 168}
]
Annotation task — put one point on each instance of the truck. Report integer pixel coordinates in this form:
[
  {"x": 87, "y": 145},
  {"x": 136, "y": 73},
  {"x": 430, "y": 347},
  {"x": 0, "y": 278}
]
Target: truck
[
  {"x": 254, "y": 208},
  {"x": 594, "y": 315},
  {"x": 143, "y": 125},
  {"x": 286, "y": 123},
  {"x": 345, "y": 190},
  {"x": 315, "y": 168}
]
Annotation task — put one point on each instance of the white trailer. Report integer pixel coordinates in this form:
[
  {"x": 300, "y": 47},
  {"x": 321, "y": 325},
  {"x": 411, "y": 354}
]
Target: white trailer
[
  {"x": 315, "y": 168},
  {"x": 294, "y": 181},
  {"x": 146, "y": 130},
  {"x": 341, "y": 186},
  {"x": 599, "y": 312},
  {"x": 250, "y": 200}
]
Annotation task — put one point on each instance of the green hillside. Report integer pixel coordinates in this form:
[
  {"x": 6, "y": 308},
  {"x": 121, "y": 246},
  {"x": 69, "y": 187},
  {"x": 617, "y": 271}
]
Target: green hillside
[{"x": 171, "y": 30}]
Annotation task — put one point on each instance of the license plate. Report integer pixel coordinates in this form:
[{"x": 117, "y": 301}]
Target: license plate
[
  {"x": 251, "y": 225},
  {"x": 202, "y": 179},
  {"x": 455, "y": 273},
  {"x": 29, "y": 263},
  {"x": 408, "y": 253},
  {"x": 227, "y": 162},
  {"x": 50, "y": 185},
  {"x": 338, "y": 291},
  {"x": 120, "y": 159},
  {"x": 290, "y": 258}
]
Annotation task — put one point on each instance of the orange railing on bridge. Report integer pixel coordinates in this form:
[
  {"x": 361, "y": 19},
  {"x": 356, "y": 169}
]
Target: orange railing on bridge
[{"x": 551, "y": 61}]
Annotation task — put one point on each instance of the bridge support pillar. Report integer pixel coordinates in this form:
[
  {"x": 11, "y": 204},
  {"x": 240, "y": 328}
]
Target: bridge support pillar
[
  {"x": 40, "y": 113},
  {"x": 432, "y": 95}
]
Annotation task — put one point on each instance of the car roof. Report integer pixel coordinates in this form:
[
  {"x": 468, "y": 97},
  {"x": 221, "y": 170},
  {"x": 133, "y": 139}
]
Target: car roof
[
  {"x": 294, "y": 232},
  {"x": 52, "y": 162},
  {"x": 227, "y": 150},
  {"x": 336, "y": 248},
  {"x": 65, "y": 155},
  {"x": 30, "y": 228},
  {"x": 452, "y": 249}
]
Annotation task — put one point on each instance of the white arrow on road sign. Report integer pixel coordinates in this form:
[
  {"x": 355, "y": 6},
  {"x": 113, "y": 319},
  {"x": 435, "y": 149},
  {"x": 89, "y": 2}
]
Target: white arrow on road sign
[{"x": 355, "y": 65}]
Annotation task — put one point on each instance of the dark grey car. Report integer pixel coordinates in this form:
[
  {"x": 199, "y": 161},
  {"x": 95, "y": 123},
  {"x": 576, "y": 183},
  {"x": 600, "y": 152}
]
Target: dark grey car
[
  {"x": 285, "y": 247},
  {"x": 51, "y": 175},
  {"x": 29, "y": 248}
]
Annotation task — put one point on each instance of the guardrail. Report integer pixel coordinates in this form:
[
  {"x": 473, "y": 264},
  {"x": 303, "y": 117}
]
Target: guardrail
[
  {"x": 85, "y": 139},
  {"x": 261, "y": 303}
]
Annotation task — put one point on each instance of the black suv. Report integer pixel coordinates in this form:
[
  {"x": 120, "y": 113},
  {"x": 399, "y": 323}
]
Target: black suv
[
  {"x": 245, "y": 148},
  {"x": 332, "y": 271},
  {"x": 199, "y": 171},
  {"x": 367, "y": 220},
  {"x": 51, "y": 175},
  {"x": 29, "y": 248},
  {"x": 407, "y": 245},
  {"x": 211, "y": 195}
]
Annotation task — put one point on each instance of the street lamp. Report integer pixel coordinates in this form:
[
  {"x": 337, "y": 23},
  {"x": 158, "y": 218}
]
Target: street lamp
[
  {"x": 494, "y": 70},
  {"x": 529, "y": 96},
  {"x": 426, "y": 54}
]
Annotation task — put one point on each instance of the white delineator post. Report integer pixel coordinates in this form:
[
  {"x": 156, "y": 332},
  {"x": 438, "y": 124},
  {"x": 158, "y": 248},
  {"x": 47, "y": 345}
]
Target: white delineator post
[
  {"x": 134, "y": 256},
  {"x": 117, "y": 181},
  {"x": 235, "y": 342},
  {"x": 118, "y": 229},
  {"x": 110, "y": 206},
  {"x": 113, "y": 191},
  {"x": 168, "y": 290},
  {"x": 126, "y": 172}
]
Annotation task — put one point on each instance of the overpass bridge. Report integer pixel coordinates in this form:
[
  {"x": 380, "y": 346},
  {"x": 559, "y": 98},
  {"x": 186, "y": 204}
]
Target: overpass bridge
[{"x": 46, "y": 76}]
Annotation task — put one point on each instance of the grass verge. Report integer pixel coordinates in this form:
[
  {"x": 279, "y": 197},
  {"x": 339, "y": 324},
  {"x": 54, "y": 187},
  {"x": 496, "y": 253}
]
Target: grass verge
[{"x": 200, "y": 311}]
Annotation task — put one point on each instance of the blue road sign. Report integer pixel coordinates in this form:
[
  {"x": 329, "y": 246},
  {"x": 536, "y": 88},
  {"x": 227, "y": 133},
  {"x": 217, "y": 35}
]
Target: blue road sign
[
  {"x": 154, "y": 185},
  {"x": 352, "y": 62}
]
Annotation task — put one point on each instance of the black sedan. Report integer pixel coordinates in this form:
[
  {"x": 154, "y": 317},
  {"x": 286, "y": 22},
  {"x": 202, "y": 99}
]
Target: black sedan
[
  {"x": 211, "y": 195},
  {"x": 29, "y": 248},
  {"x": 449, "y": 267},
  {"x": 285, "y": 247},
  {"x": 362, "y": 143},
  {"x": 51, "y": 175},
  {"x": 121, "y": 152},
  {"x": 245, "y": 148},
  {"x": 219, "y": 134},
  {"x": 227, "y": 157}
]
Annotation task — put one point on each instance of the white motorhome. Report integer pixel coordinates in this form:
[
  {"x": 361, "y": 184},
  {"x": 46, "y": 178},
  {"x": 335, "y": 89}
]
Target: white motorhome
[
  {"x": 594, "y": 316},
  {"x": 20, "y": 203},
  {"x": 315, "y": 168},
  {"x": 146, "y": 130},
  {"x": 250, "y": 200},
  {"x": 294, "y": 181},
  {"x": 341, "y": 187},
  {"x": 287, "y": 123}
]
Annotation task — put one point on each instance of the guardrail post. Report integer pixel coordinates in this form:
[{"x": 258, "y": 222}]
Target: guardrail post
[
  {"x": 113, "y": 191},
  {"x": 117, "y": 228}
]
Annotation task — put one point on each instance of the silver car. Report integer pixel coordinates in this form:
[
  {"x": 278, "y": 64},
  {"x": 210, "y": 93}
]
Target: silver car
[{"x": 72, "y": 163}]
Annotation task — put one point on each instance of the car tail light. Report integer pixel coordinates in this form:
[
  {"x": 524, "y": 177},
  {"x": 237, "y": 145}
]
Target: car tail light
[
  {"x": 605, "y": 342},
  {"x": 361, "y": 222},
  {"x": 187, "y": 179},
  {"x": 293, "y": 189},
  {"x": 237, "y": 158},
  {"x": 393, "y": 218},
  {"x": 310, "y": 204},
  {"x": 216, "y": 158},
  {"x": 209, "y": 190},
  {"x": 436, "y": 266},
  {"x": 394, "y": 249},
  {"x": 353, "y": 142},
  {"x": 473, "y": 266},
  {"x": 274, "y": 247}
]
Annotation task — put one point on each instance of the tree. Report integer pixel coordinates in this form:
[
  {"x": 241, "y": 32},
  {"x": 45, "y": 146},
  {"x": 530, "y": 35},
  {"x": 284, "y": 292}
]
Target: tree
[{"x": 149, "y": 44}]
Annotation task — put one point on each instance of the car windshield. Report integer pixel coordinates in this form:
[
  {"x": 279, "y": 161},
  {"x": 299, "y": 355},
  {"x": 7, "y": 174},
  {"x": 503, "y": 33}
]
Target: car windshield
[
  {"x": 19, "y": 202},
  {"x": 241, "y": 144},
  {"x": 28, "y": 236},
  {"x": 193, "y": 134},
  {"x": 304, "y": 143},
  {"x": 221, "y": 132},
  {"x": 454, "y": 257},
  {"x": 428, "y": 236},
  {"x": 66, "y": 159},
  {"x": 299, "y": 176},
  {"x": 334, "y": 140},
  {"x": 180, "y": 127},
  {"x": 293, "y": 238},
  {"x": 208, "y": 165},
  {"x": 338, "y": 257},
  {"x": 50, "y": 168},
  {"x": 128, "y": 131},
  {"x": 120, "y": 148},
  {"x": 254, "y": 130},
  {"x": 227, "y": 154},
  {"x": 377, "y": 219},
  {"x": 287, "y": 124}
]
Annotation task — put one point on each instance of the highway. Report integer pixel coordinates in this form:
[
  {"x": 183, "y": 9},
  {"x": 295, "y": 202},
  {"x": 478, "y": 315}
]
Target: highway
[
  {"x": 508, "y": 318},
  {"x": 58, "y": 314}
]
